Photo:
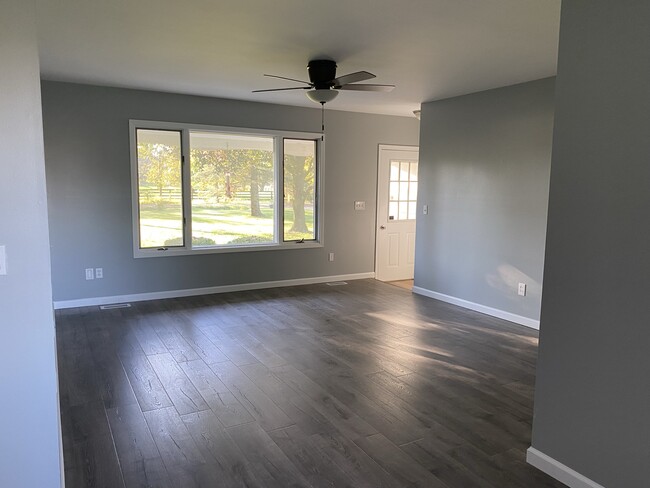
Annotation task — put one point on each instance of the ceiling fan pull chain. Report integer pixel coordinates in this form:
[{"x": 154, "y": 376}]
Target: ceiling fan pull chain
[{"x": 322, "y": 121}]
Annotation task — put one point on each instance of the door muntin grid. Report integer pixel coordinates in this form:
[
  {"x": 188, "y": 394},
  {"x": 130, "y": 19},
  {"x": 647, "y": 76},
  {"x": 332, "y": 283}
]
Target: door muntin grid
[{"x": 402, "y": 190}]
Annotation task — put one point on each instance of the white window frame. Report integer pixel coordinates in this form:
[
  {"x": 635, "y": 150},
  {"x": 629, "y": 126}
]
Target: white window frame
[{"x": 278, "y": 203}]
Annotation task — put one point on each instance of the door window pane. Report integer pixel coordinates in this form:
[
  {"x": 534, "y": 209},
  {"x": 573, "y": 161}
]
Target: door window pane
[
  {"x": 404, "y": 190},
  {"x": 394, "y": 190},
  {"x": 394, "y": 171},
  {"x": 404, "y": 171},
  {"x": 299, "y": 189},
  {"x": 392, "y": 211},
  {"x": 413, "y": 172},
  {"x": 413, "y": 190},
  {"x": 412, "y": 210},
  {"x": 232, "y": 189},
  {"x": 160, "y": 201}
]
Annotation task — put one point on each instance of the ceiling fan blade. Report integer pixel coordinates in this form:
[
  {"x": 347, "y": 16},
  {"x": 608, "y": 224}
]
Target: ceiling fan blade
[
  {"x": 283, "y": 89},
  {"x": 352, "y": 78},
  {"x": 366, "y": 87},
  {"x": 290, "y": 79}
]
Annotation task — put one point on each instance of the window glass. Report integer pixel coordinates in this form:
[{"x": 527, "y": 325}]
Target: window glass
[
  {"x": 413, "y": 191},
  {"x": 403, "y": 190},
  {"x": 413, "y": 174},
  {"x": 216, "y": 189},
  {"x": 404, "y": 171},
  {"x": 299, "y": 189},
  {"x": 394, "y": 171},
  {"x": 233, "y": 185},
  {"x": 412, "y": 210},
  {"x": 394, "y": 190},
  {"x": 160, "y": 199},
  {"x": 392, "y": 211}
]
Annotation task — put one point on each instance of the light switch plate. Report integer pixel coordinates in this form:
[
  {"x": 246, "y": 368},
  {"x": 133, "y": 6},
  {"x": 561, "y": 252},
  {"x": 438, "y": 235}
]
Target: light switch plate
[
  {"x": 521, "y": 290},
  {"x": 359, "y": 205}
]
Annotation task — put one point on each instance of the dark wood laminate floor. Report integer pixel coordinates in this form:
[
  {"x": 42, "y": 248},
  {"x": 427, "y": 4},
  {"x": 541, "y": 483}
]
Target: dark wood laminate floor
[{"x": 363, "y": 385}]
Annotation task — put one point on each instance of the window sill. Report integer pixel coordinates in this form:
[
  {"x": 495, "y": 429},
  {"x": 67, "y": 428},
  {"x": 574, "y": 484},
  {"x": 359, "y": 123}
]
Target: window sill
[{"x": 155, "y": 253}]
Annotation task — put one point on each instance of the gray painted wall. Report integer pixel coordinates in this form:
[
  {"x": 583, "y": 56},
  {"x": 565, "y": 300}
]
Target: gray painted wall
[
  {"x": 88, "y": 174},
  {"x": 484, "y": 171},
  {"x": 593, "y": 383},
  {"x": 29, "y": 421}
]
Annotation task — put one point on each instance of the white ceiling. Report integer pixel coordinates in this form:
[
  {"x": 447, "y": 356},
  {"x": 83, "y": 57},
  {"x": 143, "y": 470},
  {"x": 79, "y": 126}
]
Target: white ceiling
[{"x": 430, "y": 49}]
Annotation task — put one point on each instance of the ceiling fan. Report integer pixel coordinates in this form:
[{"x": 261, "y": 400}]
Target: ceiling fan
[{"x": 323, "y": 85}]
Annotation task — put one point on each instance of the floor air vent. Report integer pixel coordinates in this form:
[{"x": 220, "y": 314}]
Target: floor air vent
[
  {"x": 114, "y": 305},
  {"x": 337, "y": 283}
]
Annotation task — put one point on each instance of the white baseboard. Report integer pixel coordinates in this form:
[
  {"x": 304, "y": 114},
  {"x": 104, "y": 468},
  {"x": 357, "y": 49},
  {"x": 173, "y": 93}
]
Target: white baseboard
[
  {"x": 558, "y": 470},
  {"x": 157, "y": 295},
  {"x": 477, "y": 307}
]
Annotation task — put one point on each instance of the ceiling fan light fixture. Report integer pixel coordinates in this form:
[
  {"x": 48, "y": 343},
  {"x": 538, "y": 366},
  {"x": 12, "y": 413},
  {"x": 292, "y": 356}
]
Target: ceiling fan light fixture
[{"x": 322, "y": 95}]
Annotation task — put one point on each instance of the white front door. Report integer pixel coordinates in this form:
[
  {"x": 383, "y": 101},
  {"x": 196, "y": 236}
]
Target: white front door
[{"x": 396, "y": 211}]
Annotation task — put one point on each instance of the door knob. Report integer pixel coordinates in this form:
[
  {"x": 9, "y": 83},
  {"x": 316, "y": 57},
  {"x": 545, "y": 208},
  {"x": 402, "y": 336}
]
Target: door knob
[{"x": 382, "y": 227}]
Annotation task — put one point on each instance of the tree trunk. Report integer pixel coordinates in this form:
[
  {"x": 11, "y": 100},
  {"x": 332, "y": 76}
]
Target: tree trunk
[
  {"x": 255, "y": 193},
  {"x": 297, "y": 168},
  {"x": 228, "y": 188},
  {"x": 298, "y": 204}
]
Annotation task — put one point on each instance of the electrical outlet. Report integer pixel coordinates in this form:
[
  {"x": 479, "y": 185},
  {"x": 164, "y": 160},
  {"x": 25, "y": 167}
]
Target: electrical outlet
[
  {"x": 359, "y": 205},
  {"x": 330, "y": 257},
  {"x": 3, "y": 261},
  {"x": 90, "y": 274},
  {"x": 521, "y": 291},
  {"x": 99, "y": 273}
]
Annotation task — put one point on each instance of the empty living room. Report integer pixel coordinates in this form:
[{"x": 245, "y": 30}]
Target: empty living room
[{"x": 320, "y": 244}]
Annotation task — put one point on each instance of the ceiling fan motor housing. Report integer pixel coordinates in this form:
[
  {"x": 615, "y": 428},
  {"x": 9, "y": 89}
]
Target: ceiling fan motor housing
[
  {"x": 322, "y": 73},
  {"x": 323, "y": 84}
]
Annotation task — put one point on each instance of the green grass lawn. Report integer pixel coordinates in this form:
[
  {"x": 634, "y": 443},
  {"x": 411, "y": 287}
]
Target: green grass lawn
[{"x": 214, "y": 224}]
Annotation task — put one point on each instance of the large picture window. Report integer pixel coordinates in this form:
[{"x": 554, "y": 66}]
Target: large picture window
[{"x": 200, "y": 189}]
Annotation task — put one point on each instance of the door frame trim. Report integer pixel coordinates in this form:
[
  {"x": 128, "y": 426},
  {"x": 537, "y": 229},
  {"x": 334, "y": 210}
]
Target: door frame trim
[{"x": 380, "y": 148}]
